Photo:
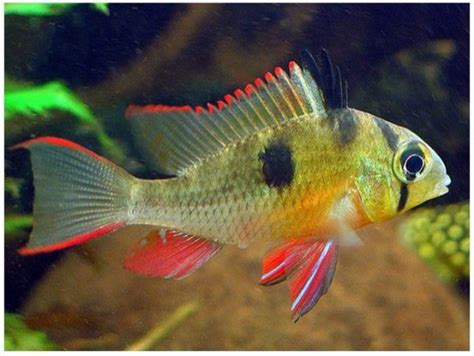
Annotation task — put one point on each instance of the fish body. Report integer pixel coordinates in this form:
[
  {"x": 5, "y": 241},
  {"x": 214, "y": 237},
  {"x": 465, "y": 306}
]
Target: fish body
[
  {"x": 327, "y": 188},
  {"x": 285, "y": 161},
  {"x": 235, "y": 205}
]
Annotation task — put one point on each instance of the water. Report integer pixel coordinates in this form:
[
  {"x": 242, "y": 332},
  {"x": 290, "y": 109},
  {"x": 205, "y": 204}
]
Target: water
[{"x": 407, "y": 63}]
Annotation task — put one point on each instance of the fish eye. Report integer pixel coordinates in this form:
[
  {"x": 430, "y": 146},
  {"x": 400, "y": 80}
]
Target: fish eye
[
  {"x": 410, "y": 163},
  {"x": 413, "y": 166}
]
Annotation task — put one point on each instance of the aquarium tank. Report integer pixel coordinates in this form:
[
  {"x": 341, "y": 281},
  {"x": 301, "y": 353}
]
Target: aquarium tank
[{"x": 71, "y": 71}]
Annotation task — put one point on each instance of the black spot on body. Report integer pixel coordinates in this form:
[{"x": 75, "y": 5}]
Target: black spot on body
[
  {"x": 403, "y": 197},
  {"x": 388, "y": 133},
  {"x": 278, "y": 166}
]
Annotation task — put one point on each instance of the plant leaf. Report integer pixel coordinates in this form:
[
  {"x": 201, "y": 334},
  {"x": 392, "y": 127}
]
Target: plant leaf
[
  {"x": 19, "y": 337},
  {"x": 47, "y": 9},
  {"x": 37, "y": 9},
  {"x": 102, "y": 7},
  {"x": 13, "y": 187},
  {"x": 36, "y": 101},
  {"x": 16, "y": 223}
]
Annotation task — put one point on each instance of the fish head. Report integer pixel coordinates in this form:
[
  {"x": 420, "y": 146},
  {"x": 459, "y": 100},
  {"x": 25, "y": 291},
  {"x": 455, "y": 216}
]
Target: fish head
[
  {"x": 399, "y": 170},
  {"x": 419, "y": 168}
]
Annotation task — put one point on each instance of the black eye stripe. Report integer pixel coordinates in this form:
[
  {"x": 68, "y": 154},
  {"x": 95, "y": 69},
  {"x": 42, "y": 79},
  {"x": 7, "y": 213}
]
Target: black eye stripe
[{"x": 403, "y": 197}]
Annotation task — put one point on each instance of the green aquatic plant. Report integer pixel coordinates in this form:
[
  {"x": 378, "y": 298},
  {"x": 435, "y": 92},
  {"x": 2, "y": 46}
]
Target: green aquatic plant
[
  {"x": 440, "y": 236},
  {"x": 47, "y": 9},
  {"x": 28, "y": 101},
  {"x": 38, "y": 100},
  {"x": 19, "y": 337},
  {"x": 34, "y": 107},
  {"x": 16, "y": 223},
  {"x": 12, "y": 187}
]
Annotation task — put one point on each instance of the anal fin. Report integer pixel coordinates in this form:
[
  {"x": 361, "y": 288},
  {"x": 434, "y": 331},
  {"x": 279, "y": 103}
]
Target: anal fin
[
  {"x": 170, "y": 254},
  {"x": 309, "y": 267}
]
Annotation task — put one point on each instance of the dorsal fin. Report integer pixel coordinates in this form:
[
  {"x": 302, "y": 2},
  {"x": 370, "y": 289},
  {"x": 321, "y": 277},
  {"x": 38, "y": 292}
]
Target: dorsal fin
[
  {"x": 175, "y": 138},
  {"x": 328, "y": 78}
]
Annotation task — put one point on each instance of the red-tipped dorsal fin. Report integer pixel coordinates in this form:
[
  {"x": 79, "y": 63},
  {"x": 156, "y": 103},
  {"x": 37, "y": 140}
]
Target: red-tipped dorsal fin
[
  {"x": 259, "y": 83},
  {"x": 220, "y": 104},
  {"x": 199, "y": 109},
  {"x": 239, "y": 94},
  {"x": 149, "y": 109},
  {"x": 229, "y": 99},
  {"x": 266, "y": 103},
  {"x": 170, "y": 254},
  {"x": 278, "y": 71},
  {"x": 269, "y": 77},
  {"x": 211, "y": 108},
  {"x": 248, "y": 89}
]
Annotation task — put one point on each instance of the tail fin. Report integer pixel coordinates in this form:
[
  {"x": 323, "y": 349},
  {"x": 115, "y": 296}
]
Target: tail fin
[{"x": 78, "y": 195}]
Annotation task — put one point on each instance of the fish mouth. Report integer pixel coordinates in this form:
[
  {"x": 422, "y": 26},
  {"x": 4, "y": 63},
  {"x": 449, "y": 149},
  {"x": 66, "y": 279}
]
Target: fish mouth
[{"x": 442, "y": 187}]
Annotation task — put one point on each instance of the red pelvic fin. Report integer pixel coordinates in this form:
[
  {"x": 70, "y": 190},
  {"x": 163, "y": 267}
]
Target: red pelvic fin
[
  {"x": 170, "y": 254},
  {"x": 309, "y": 267},
  {"x": 311, "y": 281},
  {"x": 73, "y": 241},
  {"x": 280, "y": 261}
]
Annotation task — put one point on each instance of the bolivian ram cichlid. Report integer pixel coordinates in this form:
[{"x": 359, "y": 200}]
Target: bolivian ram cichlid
[{"x": 284, "y": 160}]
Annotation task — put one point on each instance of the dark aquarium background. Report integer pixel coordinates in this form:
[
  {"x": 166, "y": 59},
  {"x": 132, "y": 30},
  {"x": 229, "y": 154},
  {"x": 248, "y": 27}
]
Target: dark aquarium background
[{"x": 71, "y": 71}]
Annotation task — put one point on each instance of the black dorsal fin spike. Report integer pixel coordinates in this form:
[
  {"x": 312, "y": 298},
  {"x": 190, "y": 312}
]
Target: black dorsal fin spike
[
  {"x": 345, "y": 103},
  {"x": 328, "y": 78},
  {"x": 309, "y": 62},
  {"x": 339, "y": 95}
]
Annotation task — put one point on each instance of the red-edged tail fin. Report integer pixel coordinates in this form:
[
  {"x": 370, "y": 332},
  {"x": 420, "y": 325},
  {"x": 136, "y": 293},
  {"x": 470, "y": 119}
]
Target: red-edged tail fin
[
  {"x": 78, "y": 195},
  {"x": 308, "y": 266}
]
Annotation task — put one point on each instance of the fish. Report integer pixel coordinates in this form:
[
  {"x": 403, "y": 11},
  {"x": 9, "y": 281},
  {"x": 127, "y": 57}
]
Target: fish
[{"x": 285, "y": 160}]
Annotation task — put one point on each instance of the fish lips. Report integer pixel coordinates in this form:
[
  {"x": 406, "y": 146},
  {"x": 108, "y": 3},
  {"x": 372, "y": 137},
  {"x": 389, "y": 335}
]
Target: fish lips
[{"x": 442, "y": 187}]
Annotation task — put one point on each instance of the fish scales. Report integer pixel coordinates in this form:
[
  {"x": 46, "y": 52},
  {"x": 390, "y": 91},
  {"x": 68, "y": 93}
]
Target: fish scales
[
  {"x": 234, "y": 205},
  {"x": 285, "y": 160}
]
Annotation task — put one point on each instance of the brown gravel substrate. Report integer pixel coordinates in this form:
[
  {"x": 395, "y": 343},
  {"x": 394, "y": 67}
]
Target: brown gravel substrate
[{"x": 382, "y": 298}]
